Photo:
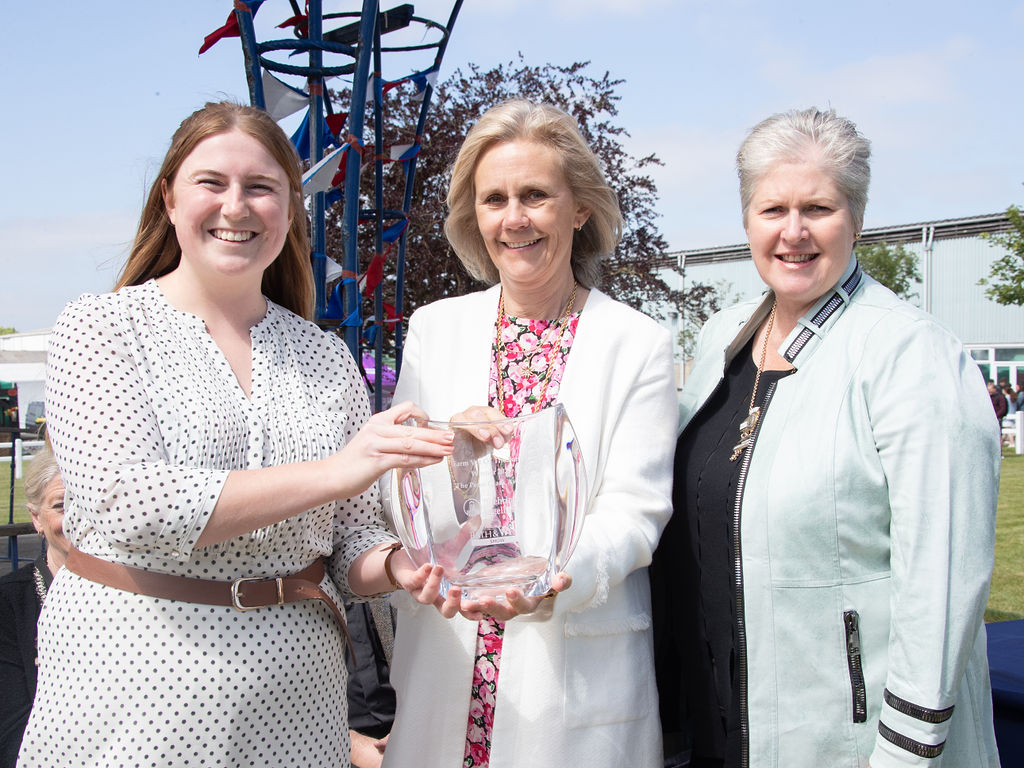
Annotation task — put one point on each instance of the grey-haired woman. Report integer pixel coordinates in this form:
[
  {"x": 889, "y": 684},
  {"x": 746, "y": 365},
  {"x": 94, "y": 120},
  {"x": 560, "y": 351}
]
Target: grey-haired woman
[
  {"x": 21, "y": 598},
  {"x": 821, "y": 586}
]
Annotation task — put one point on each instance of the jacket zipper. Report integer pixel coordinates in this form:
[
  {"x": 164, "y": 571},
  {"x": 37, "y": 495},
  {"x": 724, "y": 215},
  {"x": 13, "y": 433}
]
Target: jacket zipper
[
  {"x": 860, "y": 704},
  {"x": 741, "y": 630}
]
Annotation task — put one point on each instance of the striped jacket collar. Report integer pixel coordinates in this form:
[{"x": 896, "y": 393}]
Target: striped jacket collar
[{"x": 810, "y": 328}]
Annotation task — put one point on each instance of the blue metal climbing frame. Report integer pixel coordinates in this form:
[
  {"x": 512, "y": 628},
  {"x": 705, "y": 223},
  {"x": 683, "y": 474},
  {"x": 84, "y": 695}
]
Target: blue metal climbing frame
[{"x": 357, "y": 44}]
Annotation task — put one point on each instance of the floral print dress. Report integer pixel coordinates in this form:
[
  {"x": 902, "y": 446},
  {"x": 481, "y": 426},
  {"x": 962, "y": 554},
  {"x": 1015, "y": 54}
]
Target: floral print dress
[{"x": 526, "y": 365}]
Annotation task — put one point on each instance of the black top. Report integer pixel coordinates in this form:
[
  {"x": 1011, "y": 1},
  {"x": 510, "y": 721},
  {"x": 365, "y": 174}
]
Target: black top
[
  {"x": 696, "y": 557},
  {"x": 19, "y": 614}
]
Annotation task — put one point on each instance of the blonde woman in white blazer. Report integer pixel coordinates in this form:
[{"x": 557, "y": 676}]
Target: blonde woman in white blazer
[{"x": 573, "y": 677}]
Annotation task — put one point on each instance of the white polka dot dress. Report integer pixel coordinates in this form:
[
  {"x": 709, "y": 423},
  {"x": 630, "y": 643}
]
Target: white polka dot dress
[{"x": 147, "y": 419}]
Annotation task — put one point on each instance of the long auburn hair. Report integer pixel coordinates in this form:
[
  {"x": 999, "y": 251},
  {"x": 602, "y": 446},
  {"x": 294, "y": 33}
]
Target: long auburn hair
[{"x": 288, "y": 281}]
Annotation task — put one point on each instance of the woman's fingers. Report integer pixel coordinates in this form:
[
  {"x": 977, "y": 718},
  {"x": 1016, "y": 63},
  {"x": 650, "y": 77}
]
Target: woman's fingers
[
  {"x": 496, "y": 433},
  {"x": 478, "y": 413},
  {"x": 515, "y": 602},
  {"x": 449, "y": 606},
  {"x": 425, "y": 584},
  {"x": 405, "y": 411}
]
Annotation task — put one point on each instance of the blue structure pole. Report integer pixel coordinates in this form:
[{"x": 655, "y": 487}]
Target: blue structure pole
[
  {"x": 378, "y": 193},
  {"x": 318, "y": 236},
  {"x": 353, "y": 161},
  {"x": 253, "y": 71},
  {"x": 407, "y": 200}
]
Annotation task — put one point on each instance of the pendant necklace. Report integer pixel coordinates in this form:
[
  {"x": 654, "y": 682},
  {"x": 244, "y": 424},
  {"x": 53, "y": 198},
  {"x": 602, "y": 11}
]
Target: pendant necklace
[
  {"x": 748, "y": 425},
  {"x": 499, "y": 347}
]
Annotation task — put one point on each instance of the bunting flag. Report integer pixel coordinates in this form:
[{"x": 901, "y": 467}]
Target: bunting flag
[
  {"x": 422, "y": 80},
  {"x": 335, "y": 307},
  {"x": 331, "y": 267},
  {"x": 320, "y": 177},
  {"x": 300, "y": 139},
  {"x": 336, "y": 122},
  {"x": 402, "y": 152},
  {"x": 300, "y": 22},
  {"x": 392, "y": 233},
  {"x": 282, "y": 99},
  {"x": 230, "y": 28},
  {"x": 333, "y": 196},
  {"x": 334, "y": 270},
  {"x": 373, "y": 275}
]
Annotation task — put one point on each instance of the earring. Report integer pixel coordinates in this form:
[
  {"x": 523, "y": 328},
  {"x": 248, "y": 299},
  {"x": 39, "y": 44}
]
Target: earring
[{"x": 579, "y": 227}]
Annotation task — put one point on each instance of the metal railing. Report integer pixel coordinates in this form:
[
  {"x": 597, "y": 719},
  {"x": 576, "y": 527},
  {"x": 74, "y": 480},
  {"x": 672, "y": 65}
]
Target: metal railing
[{"x": 16, "y": 457}]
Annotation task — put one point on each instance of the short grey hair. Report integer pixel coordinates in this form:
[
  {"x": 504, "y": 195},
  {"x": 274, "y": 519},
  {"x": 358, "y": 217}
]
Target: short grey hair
[
  {"x": 797, "y": 135},
  {"x": 521, "y": 120},
  {"x": 41, "y": 470}
]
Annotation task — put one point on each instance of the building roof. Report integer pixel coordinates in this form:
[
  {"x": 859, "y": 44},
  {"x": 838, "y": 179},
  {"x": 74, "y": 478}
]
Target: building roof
[{"x": 940, "y": 229}]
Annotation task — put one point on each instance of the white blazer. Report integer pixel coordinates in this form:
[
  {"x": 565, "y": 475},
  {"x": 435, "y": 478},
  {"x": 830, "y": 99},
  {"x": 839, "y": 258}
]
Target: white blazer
[{"x": 576, "y": 685}]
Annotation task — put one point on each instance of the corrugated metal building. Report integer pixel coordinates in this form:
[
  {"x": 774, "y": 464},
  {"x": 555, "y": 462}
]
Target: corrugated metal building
[{"x": 952, "y": 257}]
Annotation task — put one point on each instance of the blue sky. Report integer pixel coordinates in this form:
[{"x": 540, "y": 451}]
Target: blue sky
[{"x": 93, "y": 90}]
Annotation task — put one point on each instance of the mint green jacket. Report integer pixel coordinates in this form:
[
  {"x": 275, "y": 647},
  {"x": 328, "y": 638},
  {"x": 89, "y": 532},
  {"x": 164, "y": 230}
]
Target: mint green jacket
[{"x": 867, "y": 521}]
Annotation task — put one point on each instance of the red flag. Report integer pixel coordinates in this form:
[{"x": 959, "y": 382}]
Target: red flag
[{"x": 230, "y": 29}]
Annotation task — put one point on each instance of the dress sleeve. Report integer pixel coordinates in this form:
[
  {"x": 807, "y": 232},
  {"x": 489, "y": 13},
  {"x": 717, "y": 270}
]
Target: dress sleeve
[
  {"x": 633, "y": 501},
  {"x": 358, "y": 521},
  {"x": 939, "y": 449},
  {"x": 108, "y": 442}
]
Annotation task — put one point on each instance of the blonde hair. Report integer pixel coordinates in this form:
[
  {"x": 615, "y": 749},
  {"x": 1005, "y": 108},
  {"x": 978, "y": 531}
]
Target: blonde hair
[
  {"x": 522, "y": 120},
  {"x": 288, "y": 281}
]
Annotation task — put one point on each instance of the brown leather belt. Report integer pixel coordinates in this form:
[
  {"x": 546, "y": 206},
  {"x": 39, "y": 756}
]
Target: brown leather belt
[{"x": 243, "y": 594}]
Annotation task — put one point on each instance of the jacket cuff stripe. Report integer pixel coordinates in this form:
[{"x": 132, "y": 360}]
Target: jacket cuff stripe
[
  {"x": 921, "y": 713},
  {"x": 904, "y": 742}
]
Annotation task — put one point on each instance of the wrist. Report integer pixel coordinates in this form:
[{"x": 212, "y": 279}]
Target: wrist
[{"x": 391, "y": 549}]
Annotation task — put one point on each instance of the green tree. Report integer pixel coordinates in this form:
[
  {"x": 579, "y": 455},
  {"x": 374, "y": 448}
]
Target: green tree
[
  {"x": 714, "y": 297},
  {"x": 632, "y": 275},
  {"x": 1005, "y": 281},
  {"x": 893, "y": 266},
  {"x": 4, "y": 330}
]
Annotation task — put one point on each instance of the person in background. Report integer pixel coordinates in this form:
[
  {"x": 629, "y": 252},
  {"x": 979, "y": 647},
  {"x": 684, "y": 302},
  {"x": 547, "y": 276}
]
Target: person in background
[
  {"x": 820, "y": 588},
  {"x": 998, "y": 399},
  {"x": 1011, "y": 400},
  {"x": 565, "y": 681},
  {"x": 217, "y": 447},
  {"x": 22, "y": 594}
]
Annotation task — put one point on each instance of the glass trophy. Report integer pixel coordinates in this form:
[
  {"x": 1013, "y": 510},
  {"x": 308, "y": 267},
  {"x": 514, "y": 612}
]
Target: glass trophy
[{"x": 495, "y": 518}]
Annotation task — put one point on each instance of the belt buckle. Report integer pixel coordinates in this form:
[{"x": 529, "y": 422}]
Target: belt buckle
[{"x": 236, "y": 601}]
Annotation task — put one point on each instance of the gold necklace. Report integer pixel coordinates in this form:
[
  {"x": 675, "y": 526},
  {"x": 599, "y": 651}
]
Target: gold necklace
[
  {"x": 499, "y": 347},
  {"x": 748, "y": 424}
]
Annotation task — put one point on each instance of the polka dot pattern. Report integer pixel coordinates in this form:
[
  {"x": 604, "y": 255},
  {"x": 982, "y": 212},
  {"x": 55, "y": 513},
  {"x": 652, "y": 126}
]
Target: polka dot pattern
[{"x": 147, "y": 419}]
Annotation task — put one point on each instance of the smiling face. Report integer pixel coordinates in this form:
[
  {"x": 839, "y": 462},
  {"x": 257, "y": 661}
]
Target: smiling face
[
  {"x": 229, "y": 207},
  {"x": 801, "y": 233},
  {"x": 526, "y": 214},
  {"x": 48, "y": 516}
]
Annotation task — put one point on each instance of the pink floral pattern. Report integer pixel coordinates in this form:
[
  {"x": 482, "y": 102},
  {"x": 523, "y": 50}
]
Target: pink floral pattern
[{"x": 527, "y": 347}]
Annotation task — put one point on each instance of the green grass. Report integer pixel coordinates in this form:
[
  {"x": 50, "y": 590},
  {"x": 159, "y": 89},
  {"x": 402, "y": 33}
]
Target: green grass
[
  {"x": 21, "y": 514},
  {"x": 1005, "y": 602}
]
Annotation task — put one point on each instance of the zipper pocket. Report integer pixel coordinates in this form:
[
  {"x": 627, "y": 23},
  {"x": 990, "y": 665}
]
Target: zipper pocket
[{"x": 860, "y": 704}]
